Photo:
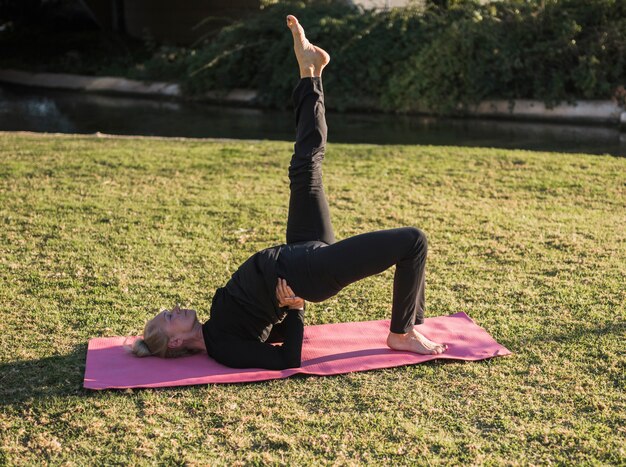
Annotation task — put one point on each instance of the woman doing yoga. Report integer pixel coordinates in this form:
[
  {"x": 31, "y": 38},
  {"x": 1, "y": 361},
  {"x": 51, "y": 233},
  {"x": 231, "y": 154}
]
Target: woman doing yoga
[{"x": 263, "y": 302}]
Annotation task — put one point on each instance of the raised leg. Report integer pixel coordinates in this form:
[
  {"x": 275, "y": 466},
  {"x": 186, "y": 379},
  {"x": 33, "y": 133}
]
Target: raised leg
[{"x": 309, "y": 216}]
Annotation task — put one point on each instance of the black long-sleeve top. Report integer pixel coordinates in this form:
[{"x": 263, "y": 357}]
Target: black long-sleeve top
[{"x": 245, "y": 312}]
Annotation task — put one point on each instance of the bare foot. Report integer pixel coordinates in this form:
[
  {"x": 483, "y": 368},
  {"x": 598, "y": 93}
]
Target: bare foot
[
  {"x": 414, "y": 342},
  {"x": 311, "y": 58}
]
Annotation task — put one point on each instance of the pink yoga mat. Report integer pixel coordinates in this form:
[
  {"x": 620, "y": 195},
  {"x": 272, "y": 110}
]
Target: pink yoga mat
[{"x": 328, "y": 349}]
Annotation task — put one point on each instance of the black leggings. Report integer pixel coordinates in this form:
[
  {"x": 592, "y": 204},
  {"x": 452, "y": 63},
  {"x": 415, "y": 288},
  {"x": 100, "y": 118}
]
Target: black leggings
[{"x": 332, "y": 266}]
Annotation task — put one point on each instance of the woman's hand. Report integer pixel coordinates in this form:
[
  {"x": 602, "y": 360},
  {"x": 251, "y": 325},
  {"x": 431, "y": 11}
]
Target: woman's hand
[{"x": 286, "y": 297}]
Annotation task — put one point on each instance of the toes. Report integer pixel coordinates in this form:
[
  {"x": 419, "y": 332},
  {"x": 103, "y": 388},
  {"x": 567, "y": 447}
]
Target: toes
[
  {"x": 294, "y": 25},
  {"x": 439, "y": 349}
]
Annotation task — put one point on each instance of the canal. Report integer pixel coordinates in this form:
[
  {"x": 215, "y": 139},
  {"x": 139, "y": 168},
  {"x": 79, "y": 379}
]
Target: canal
[{"x": 44, "y": 110}]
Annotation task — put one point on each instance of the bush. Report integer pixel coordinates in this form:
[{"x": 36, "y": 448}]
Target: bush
[{"x": 443, "y": 59}]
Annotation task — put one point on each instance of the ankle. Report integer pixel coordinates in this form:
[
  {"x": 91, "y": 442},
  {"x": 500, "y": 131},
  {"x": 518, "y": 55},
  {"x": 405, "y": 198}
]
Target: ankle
[
  {"x": 396, "y": 336},
  {"x": 310, "y": 72}
]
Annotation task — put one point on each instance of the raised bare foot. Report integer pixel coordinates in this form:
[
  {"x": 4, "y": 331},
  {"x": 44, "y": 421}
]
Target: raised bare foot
[
  {"x": 415, "y": 342},
  {"x": 311, "y": 58}
]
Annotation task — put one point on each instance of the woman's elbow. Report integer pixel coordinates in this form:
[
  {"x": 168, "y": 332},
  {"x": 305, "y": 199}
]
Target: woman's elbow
[{"x": 292, "y": 362}]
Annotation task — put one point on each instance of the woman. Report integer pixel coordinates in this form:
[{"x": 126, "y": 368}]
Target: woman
[{"x": 264, "y": 300}]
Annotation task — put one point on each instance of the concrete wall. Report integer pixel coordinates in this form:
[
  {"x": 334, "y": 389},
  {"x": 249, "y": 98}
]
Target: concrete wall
[{"x": 583, "y": 111}]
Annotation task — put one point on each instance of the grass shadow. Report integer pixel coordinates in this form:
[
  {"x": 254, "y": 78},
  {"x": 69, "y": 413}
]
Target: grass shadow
[
  {"x": 59, "y": 375},
  {"x": 582, "y": 332}
]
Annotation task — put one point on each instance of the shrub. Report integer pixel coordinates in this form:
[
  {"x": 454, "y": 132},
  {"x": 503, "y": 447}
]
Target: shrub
[{"x": 443, "y": 59}]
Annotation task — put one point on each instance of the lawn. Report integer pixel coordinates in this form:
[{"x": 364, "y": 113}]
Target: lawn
[{"x": 99, "y": 233}]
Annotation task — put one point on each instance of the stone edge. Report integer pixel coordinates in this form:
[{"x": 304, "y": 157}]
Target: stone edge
[{"x": 592, "y": 111}]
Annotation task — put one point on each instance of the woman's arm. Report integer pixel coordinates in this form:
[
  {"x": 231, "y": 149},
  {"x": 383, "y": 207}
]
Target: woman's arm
[{"x": 241, "y": 353}]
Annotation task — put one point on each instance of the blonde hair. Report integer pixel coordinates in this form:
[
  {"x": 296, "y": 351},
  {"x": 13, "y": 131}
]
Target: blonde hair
[{"x": 155, "y": 342}]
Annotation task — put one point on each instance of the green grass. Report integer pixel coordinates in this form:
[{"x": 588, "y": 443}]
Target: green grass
[{"x": 97, "y": 234}]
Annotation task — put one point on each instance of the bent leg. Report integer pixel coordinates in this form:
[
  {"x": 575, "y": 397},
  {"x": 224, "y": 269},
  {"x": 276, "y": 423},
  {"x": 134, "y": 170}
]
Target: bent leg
[
  {"x": 309, "y": 216},
  {"x": 338, "y": 265}
]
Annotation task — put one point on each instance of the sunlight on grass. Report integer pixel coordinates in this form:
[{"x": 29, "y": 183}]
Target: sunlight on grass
[{"x": 97, "y": 234}]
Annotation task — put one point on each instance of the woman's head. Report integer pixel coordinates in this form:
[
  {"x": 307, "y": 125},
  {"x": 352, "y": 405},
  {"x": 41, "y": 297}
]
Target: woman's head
[{"x": 166, "y": 334}]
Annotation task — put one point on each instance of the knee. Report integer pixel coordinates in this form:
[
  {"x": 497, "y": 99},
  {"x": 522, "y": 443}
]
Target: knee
[
  {"x": 418, "y": 237},
  {"x": 307, "y": 171}
]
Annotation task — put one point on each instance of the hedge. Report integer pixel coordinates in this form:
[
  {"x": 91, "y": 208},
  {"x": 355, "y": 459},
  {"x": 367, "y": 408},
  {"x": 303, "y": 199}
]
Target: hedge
[{"x": 443, "y": 59}]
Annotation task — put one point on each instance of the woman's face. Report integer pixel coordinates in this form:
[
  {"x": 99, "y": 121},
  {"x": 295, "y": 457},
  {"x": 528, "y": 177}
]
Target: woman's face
[{"x": 177, "y": 322}]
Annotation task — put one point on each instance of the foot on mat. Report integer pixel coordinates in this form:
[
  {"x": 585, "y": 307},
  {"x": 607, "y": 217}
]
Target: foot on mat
[{"x": 415, "y": 342}]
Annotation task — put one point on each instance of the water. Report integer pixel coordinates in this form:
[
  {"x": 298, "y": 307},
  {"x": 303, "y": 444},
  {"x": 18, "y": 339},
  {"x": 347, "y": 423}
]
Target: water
[{"x": 43, "y": 110}]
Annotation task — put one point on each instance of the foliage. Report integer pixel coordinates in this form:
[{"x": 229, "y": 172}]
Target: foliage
[
  {"x": 552, "y": 52},
  {"x": 415, "y": 57},
  {"x": 439, "y": 55}
]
